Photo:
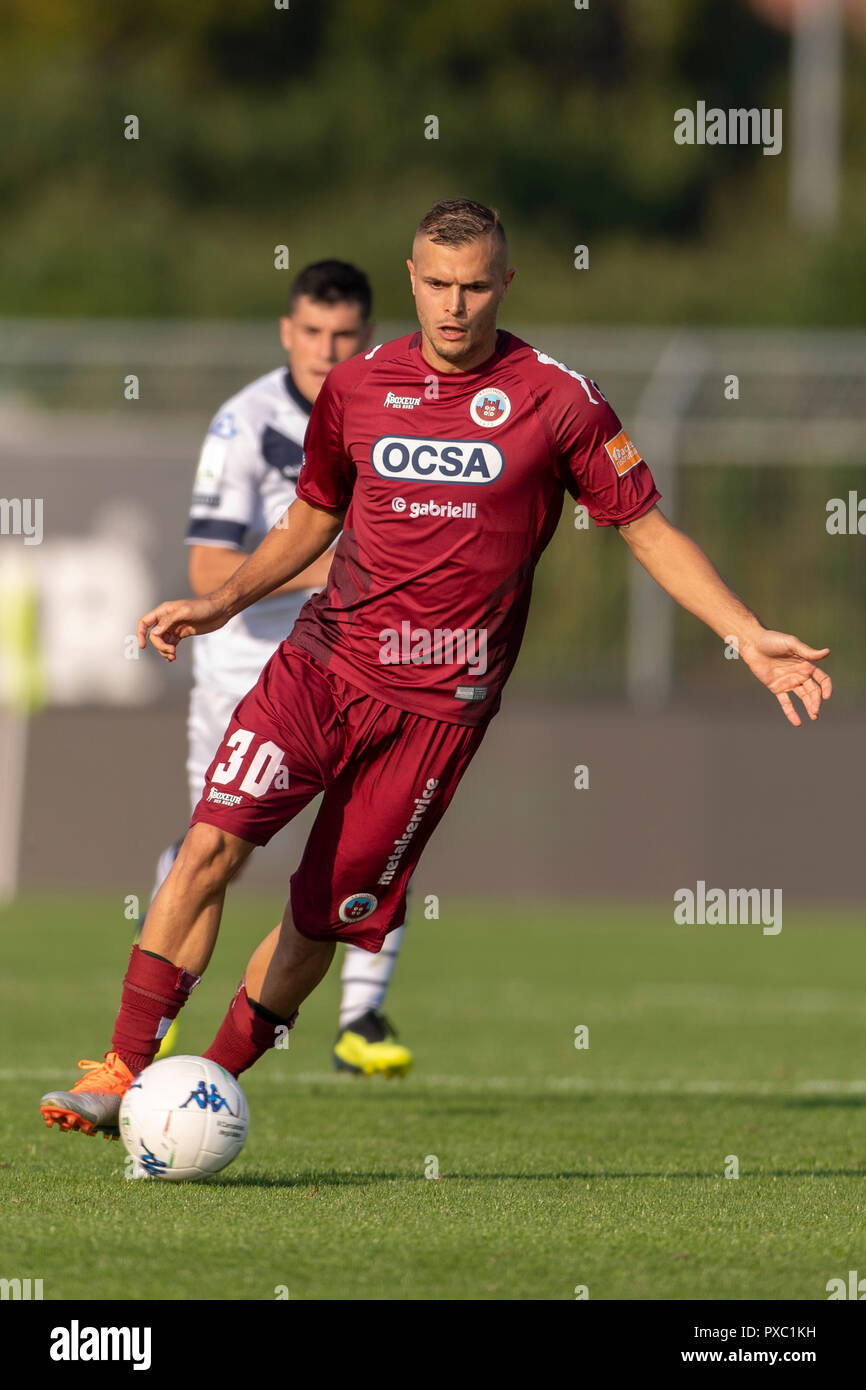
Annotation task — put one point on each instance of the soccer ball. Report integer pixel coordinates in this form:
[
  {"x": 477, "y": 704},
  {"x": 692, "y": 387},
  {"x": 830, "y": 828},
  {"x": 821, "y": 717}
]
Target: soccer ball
[{"x": 184, "y": 1118}]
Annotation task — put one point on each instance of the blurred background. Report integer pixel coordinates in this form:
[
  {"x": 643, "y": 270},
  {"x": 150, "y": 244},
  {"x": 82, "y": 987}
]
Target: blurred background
[{"x": 716, "y": 293}]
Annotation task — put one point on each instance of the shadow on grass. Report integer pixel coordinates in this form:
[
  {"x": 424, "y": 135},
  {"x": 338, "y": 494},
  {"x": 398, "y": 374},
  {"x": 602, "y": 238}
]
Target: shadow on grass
[
  {"x": 826, "y": 1102},
  {"x": 331, "y": 1179},
  {"x": 489, "y": 1102}
]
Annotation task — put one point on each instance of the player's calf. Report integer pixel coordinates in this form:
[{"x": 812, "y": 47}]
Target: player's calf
[
  {"x": 183, "y": 920},
  {"x": 283, "y": 970}
]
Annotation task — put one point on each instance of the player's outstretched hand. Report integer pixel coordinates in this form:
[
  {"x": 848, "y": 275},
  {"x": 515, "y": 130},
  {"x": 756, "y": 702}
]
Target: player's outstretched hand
[
  {"x": 786, "y": 666},
  {"x": 170, "y": 622}
]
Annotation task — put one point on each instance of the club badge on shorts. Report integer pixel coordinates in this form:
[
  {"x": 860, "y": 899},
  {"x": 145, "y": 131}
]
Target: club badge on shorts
[{"x": 357, "y": 906}]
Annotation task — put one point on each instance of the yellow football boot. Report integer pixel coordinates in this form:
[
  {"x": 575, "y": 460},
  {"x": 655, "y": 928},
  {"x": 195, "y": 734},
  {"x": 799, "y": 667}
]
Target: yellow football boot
[
  {"x": 368, "y": 1047},
  {"x": 169, "y": 1042}
]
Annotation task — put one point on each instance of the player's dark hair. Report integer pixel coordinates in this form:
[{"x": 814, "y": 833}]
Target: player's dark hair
[
  {"x": 457, "y": 221},
  {"x": 332, "y": 282}
]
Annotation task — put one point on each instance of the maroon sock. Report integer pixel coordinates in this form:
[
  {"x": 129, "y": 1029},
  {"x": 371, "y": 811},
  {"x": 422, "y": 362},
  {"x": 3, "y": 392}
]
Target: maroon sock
[
  {"x": 246, "y": 1033},
  {"x": 154, "y": 991}
]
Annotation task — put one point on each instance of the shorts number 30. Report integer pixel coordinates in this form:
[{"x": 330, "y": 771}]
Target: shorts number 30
[{"x": 262, "y": 768}]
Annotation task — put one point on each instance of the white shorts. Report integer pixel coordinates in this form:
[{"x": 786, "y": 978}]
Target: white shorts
[{"x": 209, "y": 715}]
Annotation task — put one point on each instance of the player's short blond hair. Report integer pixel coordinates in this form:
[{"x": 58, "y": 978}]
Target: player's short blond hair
[{"x": 457, "y": 221}]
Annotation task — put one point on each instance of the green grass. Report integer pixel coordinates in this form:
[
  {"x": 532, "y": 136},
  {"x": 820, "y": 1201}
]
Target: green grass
[{"x": 603, "y": 1167}]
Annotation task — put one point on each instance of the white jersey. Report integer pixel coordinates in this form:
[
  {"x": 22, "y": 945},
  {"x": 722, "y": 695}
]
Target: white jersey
[{"x": 246, "y": 478}]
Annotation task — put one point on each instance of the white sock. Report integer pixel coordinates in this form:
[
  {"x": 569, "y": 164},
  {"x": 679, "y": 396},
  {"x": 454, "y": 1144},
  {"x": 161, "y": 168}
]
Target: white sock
[
  {"x": 164, "y": 866},
  {"x": 366, "y": 977}
]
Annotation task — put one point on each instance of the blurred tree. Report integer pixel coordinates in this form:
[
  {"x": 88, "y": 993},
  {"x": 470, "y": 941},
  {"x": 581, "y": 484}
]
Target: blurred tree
[{"x": 306, "y": 125}]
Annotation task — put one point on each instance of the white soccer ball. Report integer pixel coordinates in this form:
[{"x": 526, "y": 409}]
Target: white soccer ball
[{"x": 184, "y": 1118}]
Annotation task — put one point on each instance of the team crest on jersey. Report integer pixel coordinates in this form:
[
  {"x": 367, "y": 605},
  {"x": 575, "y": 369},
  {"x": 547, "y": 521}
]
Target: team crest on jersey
[
  {"x": 490, "y": 407},
  {"x": 357, "y": 906},
  {"x": 223, "y": 426},
  {"x": 622, "y": 453}
]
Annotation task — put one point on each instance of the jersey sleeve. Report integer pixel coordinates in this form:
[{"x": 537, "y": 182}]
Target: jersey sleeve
[
  {"x": 598, "y": 463},
  {"x": 226, "y": 484},
  {"x": 327, "y": 477}
]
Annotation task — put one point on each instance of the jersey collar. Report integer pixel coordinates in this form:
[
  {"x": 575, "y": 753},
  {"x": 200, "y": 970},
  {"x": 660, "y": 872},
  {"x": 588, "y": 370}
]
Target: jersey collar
[{"x": 291, "y": 390}]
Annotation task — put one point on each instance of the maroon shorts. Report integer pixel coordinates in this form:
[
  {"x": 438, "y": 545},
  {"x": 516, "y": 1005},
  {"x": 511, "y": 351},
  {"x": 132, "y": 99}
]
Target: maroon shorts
[{"x": 388, "y": 776}]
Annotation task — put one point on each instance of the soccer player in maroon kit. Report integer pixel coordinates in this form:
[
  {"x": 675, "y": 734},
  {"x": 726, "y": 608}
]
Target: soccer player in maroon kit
[{"x": 444, "y": 458}]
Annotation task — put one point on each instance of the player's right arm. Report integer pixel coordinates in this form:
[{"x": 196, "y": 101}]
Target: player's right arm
[
  {"x": 301, "y": 535},
  {"x": 211, "y": 565}
]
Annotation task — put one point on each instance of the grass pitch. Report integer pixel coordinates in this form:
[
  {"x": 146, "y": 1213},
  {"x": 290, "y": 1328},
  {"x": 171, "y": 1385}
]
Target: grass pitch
[{"x": 559, "y": 1167}]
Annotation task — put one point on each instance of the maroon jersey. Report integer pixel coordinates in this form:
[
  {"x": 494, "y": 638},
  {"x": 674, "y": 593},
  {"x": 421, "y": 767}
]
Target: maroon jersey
[{"x": 454, "y": 484}]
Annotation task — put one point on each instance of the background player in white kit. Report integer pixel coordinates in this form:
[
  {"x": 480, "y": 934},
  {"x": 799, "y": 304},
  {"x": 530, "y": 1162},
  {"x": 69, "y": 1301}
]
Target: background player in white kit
[{"x": 245, "y": 481}]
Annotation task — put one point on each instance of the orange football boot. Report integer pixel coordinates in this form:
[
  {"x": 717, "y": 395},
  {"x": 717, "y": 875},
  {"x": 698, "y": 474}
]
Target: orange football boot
[{"x": 93, "y": 1103}]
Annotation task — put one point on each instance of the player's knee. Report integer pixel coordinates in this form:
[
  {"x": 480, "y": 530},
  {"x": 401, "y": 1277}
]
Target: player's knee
[{"x": 209, "y": 857}]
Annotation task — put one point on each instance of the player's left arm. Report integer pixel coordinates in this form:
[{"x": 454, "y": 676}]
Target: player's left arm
[{"x": 781, "y": 662}]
